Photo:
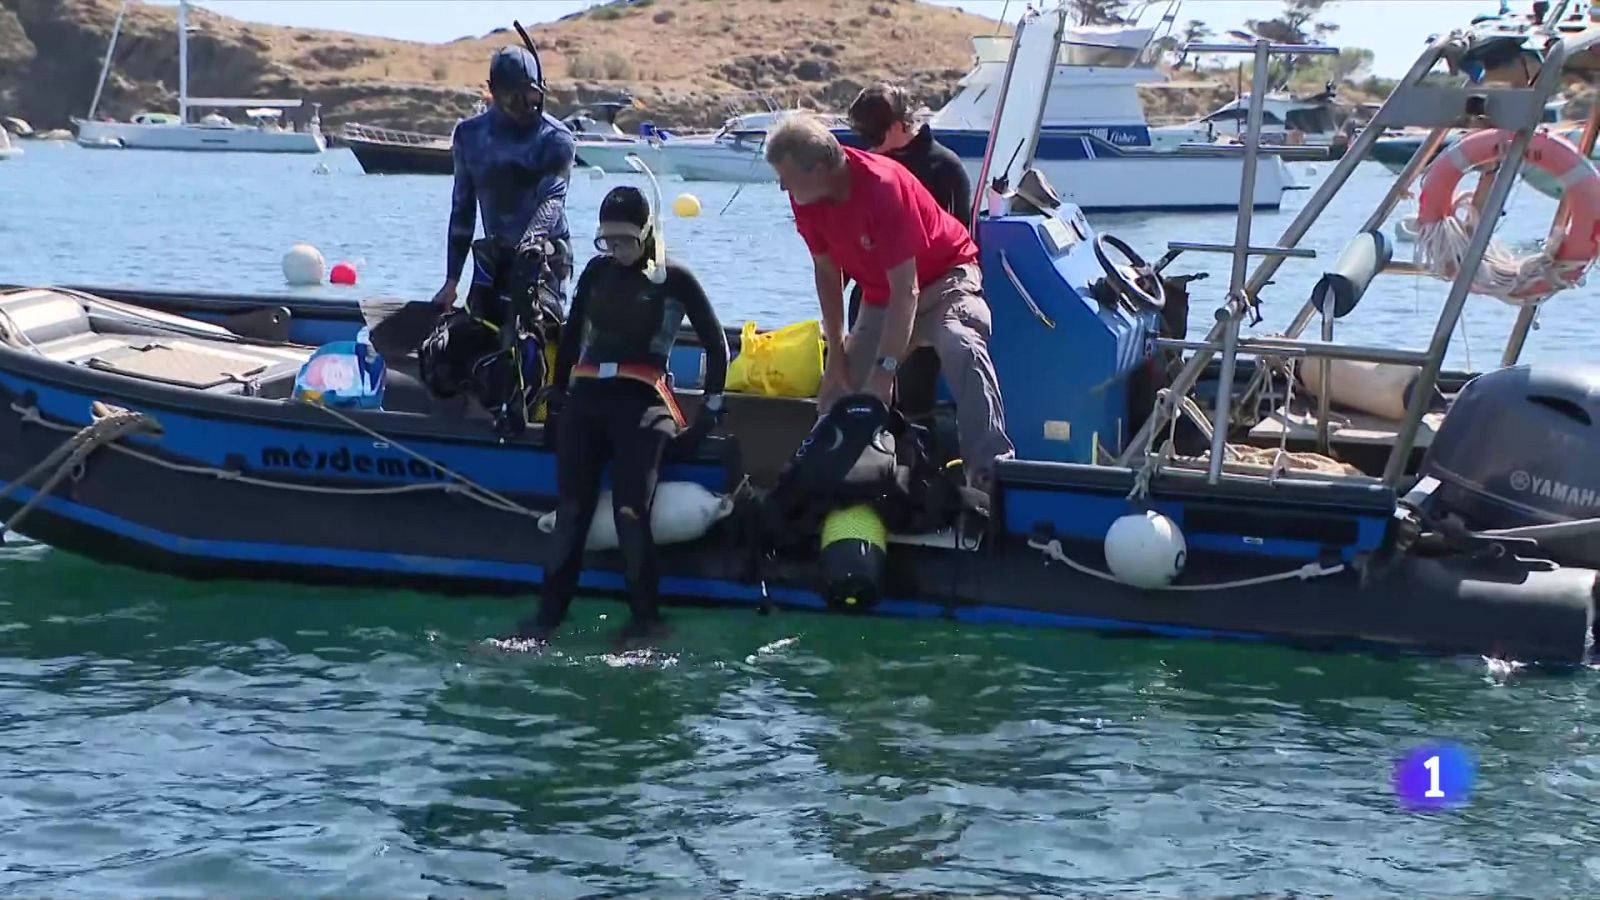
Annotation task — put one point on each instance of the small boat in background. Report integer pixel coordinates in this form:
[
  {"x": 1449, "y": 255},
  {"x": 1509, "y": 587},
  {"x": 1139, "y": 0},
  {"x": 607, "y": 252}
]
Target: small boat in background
[
  {"x": 1314, "y": 123},
  {"x": 733, "y": 153},
  {"x": 604, "y": 146},
  {"x": 8, "y": 149},
  {"x": 387, "y": 151},
  {"x": 265, "y": 132}
]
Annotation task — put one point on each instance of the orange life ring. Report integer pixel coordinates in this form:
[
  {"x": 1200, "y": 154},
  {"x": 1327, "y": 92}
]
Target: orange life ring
[{"x": 1579, "y": 244}]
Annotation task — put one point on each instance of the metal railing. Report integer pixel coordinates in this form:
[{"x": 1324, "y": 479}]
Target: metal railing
[
  {"x": 1441, "y": 108},
  {"x": 393, "y": 136}
]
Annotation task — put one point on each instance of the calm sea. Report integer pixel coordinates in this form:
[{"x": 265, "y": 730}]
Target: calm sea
[{"x": 163, "y": 738}]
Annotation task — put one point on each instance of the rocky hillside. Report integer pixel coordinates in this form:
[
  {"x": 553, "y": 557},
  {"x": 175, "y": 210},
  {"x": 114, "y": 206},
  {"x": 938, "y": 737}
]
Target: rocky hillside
[{"x": 680, "y": 58}]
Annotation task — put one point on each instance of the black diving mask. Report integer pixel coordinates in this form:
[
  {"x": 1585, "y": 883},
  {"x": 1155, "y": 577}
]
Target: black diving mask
[{"x": 625, "y": 245}]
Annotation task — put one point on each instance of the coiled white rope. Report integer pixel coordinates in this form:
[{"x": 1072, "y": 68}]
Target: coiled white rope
[{"x": 1441, "y": 247}]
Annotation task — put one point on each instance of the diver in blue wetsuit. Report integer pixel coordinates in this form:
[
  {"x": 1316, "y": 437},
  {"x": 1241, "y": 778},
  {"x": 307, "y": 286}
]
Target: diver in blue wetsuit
[{"x": 512, "y": 166}]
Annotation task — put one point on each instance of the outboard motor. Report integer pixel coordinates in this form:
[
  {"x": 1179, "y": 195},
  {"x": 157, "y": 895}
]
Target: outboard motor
[{"x": 1518, "y": 448}]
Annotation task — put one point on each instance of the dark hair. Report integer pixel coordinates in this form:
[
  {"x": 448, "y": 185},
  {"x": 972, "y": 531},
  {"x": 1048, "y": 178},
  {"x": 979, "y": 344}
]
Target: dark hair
[
  {"x": 877, "y": 108},
  {"x": 625, "y": 203}
]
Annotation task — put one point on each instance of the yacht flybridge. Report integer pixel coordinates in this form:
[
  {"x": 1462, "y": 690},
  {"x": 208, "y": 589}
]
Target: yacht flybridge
[{"x": 265, "y": 132}]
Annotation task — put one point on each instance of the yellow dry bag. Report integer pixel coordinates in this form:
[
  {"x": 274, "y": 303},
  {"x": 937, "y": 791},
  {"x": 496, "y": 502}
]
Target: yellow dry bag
[{"x": 786, "y": 362}]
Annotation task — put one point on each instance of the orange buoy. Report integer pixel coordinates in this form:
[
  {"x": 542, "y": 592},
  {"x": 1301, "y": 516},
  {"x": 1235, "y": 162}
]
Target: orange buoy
[{"x": 343, "y": 273}]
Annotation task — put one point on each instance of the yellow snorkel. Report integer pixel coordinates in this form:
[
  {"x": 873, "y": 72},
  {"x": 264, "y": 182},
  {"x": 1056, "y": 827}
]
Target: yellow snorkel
[{"x": 655, "y": 269}]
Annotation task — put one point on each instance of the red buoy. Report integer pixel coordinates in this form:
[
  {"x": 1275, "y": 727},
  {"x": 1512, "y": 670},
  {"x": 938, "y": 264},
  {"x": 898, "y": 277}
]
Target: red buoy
[{"x": 343, "y": 273}]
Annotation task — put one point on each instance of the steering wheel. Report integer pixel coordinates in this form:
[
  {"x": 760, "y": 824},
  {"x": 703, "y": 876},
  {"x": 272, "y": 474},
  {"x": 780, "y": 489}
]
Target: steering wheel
[{"x": 1146, "y": 293}]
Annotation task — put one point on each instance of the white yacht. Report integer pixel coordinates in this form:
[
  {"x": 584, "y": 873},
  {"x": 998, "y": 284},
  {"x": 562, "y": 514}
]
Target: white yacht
[
  {"x": 264, "y": 133},
  {"x": 1095, "y": 146}
]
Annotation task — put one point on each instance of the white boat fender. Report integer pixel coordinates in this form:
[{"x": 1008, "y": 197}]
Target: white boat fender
[
  {"x": 1370, "y": 387},
  {"x": 303, "y": 265},
  {"x": 1145, "y": 550},
  {"x": 684, "y": 511}
]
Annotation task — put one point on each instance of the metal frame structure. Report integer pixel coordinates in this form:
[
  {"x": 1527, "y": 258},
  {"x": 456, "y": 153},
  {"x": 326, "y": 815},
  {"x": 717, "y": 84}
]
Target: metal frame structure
[{"x": 1414, "y": 102}]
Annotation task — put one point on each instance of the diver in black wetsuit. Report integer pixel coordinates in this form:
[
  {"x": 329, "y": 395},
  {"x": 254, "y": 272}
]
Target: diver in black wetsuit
[
  {"x": 512, "y": 164},
  {"x": 620, "y": 409}
]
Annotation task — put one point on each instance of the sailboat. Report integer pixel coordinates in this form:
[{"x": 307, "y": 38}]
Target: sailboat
[{"x": 162, "y": 131}]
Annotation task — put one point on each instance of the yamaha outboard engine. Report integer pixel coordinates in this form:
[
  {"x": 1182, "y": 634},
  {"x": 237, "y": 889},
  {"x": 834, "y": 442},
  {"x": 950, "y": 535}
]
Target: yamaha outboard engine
[{"x": 1518, "y": 448}]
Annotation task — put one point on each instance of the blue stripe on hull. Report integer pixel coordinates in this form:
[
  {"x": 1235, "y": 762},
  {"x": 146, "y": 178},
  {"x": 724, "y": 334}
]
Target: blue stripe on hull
[{"x": 529, "y": 573}]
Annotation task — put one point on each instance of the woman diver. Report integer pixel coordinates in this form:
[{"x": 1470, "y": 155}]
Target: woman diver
[{"x": 627, "y": 307}]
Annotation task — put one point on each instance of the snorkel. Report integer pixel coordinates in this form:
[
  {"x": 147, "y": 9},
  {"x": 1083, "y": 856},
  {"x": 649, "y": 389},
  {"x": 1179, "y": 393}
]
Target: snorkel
[{"x": 655, "y": 269}]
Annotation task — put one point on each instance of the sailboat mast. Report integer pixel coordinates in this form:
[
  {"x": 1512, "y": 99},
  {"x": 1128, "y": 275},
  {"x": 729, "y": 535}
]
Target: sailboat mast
[
  {"x": 105, "y": 67},
  {"x": 183, "y": 61}
]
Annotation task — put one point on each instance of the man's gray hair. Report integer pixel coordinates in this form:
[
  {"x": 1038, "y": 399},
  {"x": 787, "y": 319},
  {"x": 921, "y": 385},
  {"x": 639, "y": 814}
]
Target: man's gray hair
[{"x": 805, "y": 140}]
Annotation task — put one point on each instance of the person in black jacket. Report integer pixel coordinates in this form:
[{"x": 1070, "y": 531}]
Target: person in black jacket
[{"x": 882, "y": 117}]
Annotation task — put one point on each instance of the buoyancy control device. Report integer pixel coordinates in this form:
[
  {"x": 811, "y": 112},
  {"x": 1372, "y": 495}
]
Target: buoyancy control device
[
  {"x": 498, "y": 350},
  {"x": 862, "y": 472}
]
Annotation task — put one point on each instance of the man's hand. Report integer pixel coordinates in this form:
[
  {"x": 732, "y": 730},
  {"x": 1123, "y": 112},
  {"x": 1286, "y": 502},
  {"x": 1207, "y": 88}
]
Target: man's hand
[
  {"x": 880, "y": 384},
  {"x": 445, "y": 299},
  {"x": 835, "y": 372}
]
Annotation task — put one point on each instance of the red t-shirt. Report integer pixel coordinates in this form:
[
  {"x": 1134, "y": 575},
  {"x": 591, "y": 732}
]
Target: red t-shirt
[{"x": 888, "y": 218}]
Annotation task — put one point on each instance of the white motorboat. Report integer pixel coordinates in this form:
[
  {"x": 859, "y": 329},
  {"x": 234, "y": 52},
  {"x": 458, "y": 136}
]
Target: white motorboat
[
  {"x": 733, "y": 152},
  {"x": 602, "y": 145},
  {"x": 1095, "y": 145},
  {"x": 1286, "y": 121},
  {"x": 7, "y": 148},
  {"x": 264, "y": 133}
]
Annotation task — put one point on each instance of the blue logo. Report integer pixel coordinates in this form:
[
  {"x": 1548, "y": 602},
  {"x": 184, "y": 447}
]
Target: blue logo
[{"x": 1434, "y": 776}]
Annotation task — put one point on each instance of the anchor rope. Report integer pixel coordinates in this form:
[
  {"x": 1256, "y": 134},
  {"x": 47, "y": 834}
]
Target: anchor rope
[
  {"x": 1052, "y": 550},
  {"x": 68, "y": 458}
]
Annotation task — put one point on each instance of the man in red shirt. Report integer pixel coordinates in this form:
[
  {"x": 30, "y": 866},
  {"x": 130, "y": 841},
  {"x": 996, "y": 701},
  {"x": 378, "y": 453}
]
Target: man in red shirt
[{"x": 867, "y": 217}]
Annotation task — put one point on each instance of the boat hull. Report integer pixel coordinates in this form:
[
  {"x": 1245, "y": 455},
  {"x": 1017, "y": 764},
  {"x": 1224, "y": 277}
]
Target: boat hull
[
  {"x": 238, "y": 486},
  {"x": 612, "y": 156},
  {"x": 381, "y": 158},
  {"x": 132, "y": 136}
]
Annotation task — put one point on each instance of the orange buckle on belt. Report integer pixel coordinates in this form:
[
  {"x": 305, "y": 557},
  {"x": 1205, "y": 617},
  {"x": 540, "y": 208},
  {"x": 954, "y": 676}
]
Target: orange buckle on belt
[{"x": 641, "y": 372}]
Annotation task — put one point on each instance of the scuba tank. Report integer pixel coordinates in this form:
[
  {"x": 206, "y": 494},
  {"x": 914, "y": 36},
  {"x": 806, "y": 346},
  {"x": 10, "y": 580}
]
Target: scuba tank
[{"x": 855, "y": 552}]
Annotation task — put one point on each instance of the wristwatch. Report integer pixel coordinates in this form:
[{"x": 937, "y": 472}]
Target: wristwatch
[{"x": 888, "y": 364}]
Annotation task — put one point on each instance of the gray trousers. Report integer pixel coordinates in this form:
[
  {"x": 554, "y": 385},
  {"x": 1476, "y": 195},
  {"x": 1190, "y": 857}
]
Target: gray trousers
[{"x": 952, "y": 318}]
